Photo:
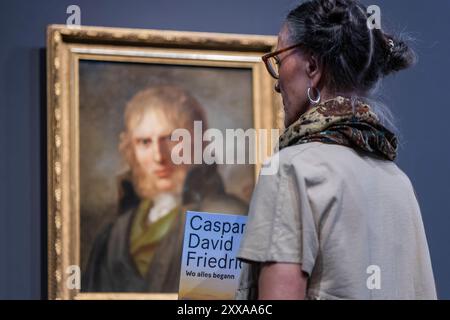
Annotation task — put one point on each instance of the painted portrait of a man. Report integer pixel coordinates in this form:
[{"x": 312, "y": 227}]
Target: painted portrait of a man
[{"x": 140, "y": 249}]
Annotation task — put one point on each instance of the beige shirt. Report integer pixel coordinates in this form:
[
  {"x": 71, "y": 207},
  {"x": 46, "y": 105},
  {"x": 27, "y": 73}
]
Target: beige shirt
[{"x": 350, "y": 219}]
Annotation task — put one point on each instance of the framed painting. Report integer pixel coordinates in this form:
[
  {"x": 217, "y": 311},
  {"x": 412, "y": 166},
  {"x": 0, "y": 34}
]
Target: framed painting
[{"x": 116, "y": 195}]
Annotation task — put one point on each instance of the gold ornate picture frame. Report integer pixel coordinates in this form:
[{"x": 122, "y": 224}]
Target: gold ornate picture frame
[{"x": 71, "y": 50}]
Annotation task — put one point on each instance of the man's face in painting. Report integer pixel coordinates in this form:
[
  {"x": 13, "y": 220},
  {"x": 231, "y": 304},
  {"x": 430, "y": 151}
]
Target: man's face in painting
[{"x": 152, "y": 148}]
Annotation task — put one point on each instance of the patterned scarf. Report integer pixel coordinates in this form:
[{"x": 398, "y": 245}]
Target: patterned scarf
[{"x": 334, "y": 122}]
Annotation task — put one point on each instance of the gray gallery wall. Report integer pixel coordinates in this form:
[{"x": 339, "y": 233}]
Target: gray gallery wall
[{"x": 416, "y": 96}]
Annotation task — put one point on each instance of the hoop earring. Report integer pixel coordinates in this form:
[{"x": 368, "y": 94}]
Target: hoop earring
[{"x": 314, "y": 101}]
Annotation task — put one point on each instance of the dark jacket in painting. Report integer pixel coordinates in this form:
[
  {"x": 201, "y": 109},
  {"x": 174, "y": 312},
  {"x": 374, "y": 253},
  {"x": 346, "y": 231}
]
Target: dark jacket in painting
[{"x": 111, "y": 267}]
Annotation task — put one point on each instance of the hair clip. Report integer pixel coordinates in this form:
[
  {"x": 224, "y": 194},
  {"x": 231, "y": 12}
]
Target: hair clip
[{"x": 391, "y": 45}]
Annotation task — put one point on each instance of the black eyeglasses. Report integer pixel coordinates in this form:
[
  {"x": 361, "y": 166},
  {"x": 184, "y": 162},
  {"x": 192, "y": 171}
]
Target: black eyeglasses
[{"x": 272, "y": 61}]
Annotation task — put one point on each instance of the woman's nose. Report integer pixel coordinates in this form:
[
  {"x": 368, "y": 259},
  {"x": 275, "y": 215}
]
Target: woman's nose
[{"x": 277, "y": 87}]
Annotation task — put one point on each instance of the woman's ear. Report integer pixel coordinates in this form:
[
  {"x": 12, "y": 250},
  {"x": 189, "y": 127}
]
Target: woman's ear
[{"x": 313, "y": 69}]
